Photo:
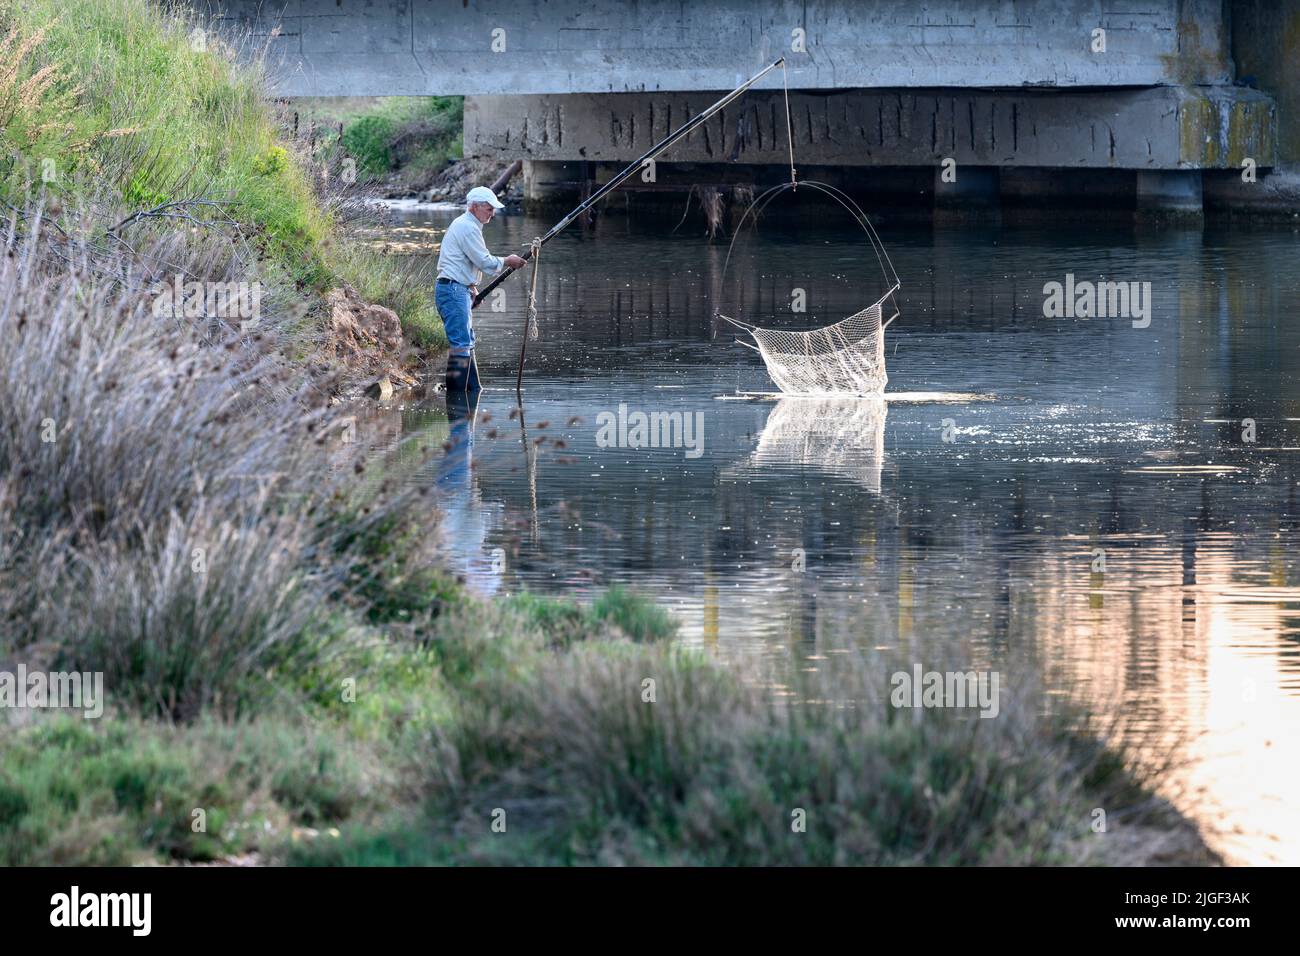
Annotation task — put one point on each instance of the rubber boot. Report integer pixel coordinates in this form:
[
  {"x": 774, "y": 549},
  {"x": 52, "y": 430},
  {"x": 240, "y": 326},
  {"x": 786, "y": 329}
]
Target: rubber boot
[{"x": 462, "y": 374}]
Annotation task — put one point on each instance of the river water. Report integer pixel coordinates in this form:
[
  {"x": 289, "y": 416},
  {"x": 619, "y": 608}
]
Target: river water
[{"x": 1118, "y": 498}]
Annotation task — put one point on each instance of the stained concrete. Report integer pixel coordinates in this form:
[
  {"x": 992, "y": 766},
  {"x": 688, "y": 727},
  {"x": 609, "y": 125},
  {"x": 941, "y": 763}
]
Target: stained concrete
[
  {"x": 422, "y": 47},
  {"x": 1160, "y": 128},
  {"x": 1266, "y": 48}
]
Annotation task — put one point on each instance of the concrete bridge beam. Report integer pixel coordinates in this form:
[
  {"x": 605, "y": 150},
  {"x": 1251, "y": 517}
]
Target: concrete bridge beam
[
  {"x": 440, "y": 47},
  {"x": 1159, "y": 128}
]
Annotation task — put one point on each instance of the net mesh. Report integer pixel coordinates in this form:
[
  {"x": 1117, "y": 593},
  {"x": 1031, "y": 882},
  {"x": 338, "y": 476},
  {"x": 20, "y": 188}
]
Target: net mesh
[{"x": 847, "y": 357}]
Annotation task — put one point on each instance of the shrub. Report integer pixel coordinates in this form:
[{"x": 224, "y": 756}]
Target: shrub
[
  {"x": 275, "y": 160},
  {"x": 712, "y": 769},
  {"x": 180, "y": 519},
  {"x": 367, "y": 140}
]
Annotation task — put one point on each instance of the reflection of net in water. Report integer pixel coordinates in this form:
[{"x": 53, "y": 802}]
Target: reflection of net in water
[
  {"x": 845, "y": 358},
  {"x": 844, "y": 437}
]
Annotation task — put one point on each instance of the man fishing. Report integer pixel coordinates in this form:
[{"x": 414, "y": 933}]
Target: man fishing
[
  {"x": 464, "y": 256},
  {"x": 461, "y": 263}
]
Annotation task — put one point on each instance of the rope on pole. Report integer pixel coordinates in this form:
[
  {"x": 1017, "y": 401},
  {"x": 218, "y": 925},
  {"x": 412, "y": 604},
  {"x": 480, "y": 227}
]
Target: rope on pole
[
  {"x": 533, "y": 330},
  {"x": 530, "y": 330}
]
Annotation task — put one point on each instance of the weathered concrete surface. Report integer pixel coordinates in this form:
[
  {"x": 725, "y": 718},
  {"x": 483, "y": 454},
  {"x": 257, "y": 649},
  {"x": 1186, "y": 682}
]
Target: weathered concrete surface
[
  {"x": 1160, "y": 128},
  {"x": 1275, "y": 195},
  {"x": 421, "y": 47},
  {"x": 1266, "y": 48},
  {"x": 1174, "y": 192}
]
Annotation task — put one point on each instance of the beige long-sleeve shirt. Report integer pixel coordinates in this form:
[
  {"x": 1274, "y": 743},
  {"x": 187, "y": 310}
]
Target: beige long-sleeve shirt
[{"x": 464, "y": 256}]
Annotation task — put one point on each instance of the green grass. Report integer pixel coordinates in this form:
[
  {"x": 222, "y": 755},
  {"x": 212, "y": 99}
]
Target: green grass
[
  {"x": 128, "y": 104},
  {"x": 356, "y": 736},
  {"x": 158, "y": 120},
  {"x": 124, "y": 791},
  {"x": 637, "y": 618},
  {"x": 617, "y": 612},
  {"x": 403, "y": 752},
  {"x": 713, "y": 771},
  {"x": 416, "y": 134}
]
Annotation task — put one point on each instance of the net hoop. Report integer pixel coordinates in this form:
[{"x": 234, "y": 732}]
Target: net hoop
[
  {"x": 846, "y": 201},
  {"x": 846, "y": 357}
]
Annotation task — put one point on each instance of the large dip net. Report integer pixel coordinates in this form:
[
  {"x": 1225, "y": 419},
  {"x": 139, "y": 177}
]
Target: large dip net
[{"x": 846, "y": 357}]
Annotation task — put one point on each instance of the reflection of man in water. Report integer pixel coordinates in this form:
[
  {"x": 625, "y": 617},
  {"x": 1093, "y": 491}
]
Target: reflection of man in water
[{"x": 466, "y": 520}]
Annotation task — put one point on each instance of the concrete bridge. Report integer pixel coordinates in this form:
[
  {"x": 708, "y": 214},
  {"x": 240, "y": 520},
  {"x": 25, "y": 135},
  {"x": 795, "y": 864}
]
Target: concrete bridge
[
  {"x": 426, "y": 47},
  {"x": 576, "y": 87}
]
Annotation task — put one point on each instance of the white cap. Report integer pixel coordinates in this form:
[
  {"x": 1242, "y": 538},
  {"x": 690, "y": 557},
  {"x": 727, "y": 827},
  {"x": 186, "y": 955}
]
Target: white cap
[{"x": 483, "y": 194}]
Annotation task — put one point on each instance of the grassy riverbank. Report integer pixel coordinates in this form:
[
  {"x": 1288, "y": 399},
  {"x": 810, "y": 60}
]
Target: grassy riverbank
[
  {"x": 112, "y": 101},
  {"x": 402, "y": 142},
  {"x": 523, "y": 732},
  {"x": 288, "y": 671}
]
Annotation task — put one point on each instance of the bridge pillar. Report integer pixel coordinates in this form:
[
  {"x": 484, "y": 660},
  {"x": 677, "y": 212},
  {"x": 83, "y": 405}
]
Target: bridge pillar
[
  {"x": 1169, "y": 194},
  {"x": 975, "y": 191}
]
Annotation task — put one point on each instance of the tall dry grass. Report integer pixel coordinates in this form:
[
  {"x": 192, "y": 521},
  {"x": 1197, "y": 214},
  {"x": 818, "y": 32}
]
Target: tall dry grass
[
  {"x": 713, "y": 771},
  {"x": 183, "y": 508}
]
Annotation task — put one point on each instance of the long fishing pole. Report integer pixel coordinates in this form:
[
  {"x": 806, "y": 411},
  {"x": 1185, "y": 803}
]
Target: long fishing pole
[{"x": 626, "y": 174}]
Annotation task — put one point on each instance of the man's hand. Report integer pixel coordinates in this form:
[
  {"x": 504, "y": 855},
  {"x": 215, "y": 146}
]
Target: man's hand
[{"x": 515, "y": 262}]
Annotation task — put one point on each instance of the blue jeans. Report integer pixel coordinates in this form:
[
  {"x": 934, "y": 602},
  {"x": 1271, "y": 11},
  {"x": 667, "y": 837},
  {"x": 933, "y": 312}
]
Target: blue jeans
[{"x": 453, "y": 301}]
